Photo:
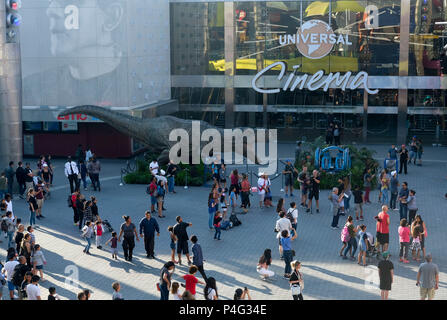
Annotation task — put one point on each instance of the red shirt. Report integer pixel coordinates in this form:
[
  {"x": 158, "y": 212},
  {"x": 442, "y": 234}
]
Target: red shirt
[
  {"x": 383, "y": 226},
  {"x": 73, "y": 200},
  {"x": 99, "y": 230},
  {"x": 190, "y": 284},
  {"x": 152, "y": 188}
]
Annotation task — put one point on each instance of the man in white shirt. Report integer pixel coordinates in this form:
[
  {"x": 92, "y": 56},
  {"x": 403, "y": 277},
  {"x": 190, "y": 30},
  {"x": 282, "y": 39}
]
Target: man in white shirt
[
  {"x": 8, "y": 271},
  {"x": 71, "y": 172},
  {"x": 153, "y": 167},
  {"x": 9, "y": 206},
  {"x": 282, "y": 224},
  {"x": 33, "y": 290}
]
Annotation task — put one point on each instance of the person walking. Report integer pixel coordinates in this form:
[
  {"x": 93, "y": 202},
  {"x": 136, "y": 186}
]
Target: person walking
[
  {"x": 148, "y": 227},
  {"x": 335, "y": 206},
  {"x": 394, "y": 184},
  {"x": 296, "y": 281},
  {"x": 87, "y": 233},
  {"x": 367, "y": 178},
  {"x": 282, "y": 224},
  {"x": 94, "y": 168},
  {"x": 164, "y": 284},
  {"x": 211, "y": 210},
  {"x": 412, "y": 206},
  {"x": 245, "y": 193},
  {"x": 182, "y": 239},
  {"x": 197, "y": 258},
  {"x": 71, "y": 172},
  {"x": 286, "y": 245},
  {"x": 20, "y": 177},
  {"x": 32, "y": 206},
  {"x": 129, "y": 232},
  {"x": 429, "y": 272},
  {"x": 289, "y": 172},
  {"x": 10, "y": 229},
  {"x": 171, "y": 172},
  {"x": 403, "y": 159},
  {"x": 420, "y": 151},
  {"x": 386, "y": 275},
  {"x": 10, "y": 173},
  {"x": 404, "y": 241},
  {"x": 352, "y": 242},
  {"x": 382, "y": 228},
  {"x": 403, "y": 201}
]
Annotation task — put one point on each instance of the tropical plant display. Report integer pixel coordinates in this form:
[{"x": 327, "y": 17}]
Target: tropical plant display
[{"x": 361, "y": 159}]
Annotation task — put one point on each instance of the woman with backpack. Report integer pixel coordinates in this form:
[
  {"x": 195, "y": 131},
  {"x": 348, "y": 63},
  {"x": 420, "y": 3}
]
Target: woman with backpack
[{"x": 348, "y": 235}]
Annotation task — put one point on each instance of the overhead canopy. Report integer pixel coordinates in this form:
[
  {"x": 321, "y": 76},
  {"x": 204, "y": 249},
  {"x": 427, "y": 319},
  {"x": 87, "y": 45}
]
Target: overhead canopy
[{"x": 320, "y": 8}]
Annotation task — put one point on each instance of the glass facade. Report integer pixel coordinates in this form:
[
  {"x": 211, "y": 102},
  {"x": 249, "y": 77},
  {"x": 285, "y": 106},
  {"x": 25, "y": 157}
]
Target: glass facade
[{"x": 399, "y": 44}]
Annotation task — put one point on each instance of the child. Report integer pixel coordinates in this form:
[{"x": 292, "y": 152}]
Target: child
[
  {"x": 98, "y": 230},
  {"x": 217, "y": 220},
  {"x": 114, "y": 245},
  {"x": 233, "y": 200},
  {"x": 358, "y": 201},
  {"x": 363, "y": 245},
  {"x": 174, "y": 290},
  {"x": 404, "y": 240},
  {"x": 416, "y": 244},
  {"x": 53, "y": 295},
  {"x": 116, "y": 291},
  {"x": 38, "y": 260},
  {"x": 191, "y": 280},
  {"x": 172, "y": 244}
]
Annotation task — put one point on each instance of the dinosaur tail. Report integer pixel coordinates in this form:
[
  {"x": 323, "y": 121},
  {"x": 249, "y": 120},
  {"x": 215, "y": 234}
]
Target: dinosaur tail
[{"x": 122, "y": 122}]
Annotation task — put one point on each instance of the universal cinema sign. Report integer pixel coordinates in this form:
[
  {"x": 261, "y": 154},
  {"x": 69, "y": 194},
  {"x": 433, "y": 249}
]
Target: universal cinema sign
[{"x": 314, "y": 39}]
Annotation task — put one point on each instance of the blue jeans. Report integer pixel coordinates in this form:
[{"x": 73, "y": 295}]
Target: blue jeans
[
  {"x": 384, "y": 196},
  {"x": 32, "y": 218},
  {"x": 352, "y": 243},
  {"x": 164, "y": 292},
  {"x": 403, "y": 210},
  {"x": 287, "y": 260},
  {"x": 346, "y": 201},
  {"x": 171, "y": 181},
  {"x": 84, "y": 181},
  {"x": 10, "y": 241},
  {"x": 218, "y": 232},
  {"x": 393, "y": 200},
  {"x": 211, "y": 219},
  {"x": 89, "y": 243}
]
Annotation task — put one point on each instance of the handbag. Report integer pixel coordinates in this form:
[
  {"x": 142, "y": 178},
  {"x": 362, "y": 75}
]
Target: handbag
[
  {"x": 158, "y": 286},
  {"x": 296, "y": 289}
]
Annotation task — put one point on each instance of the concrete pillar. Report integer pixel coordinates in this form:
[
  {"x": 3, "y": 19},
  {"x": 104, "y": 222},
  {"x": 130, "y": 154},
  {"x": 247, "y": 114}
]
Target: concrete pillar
[
  {"x": 11, "y": 140},
  {"x": 402, "y": 103},
  {"x": 230, "y": 62}
]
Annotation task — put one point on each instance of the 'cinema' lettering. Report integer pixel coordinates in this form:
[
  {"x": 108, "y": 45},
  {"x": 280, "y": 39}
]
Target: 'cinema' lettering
[{"x": 315, "y": 81}]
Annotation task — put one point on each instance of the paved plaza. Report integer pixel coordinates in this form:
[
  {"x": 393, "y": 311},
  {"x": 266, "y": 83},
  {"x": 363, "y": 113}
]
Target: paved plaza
[{"x": 233, "y": 260}]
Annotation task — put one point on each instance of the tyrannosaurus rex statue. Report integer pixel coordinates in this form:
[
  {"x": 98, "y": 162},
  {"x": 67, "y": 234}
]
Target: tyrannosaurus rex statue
[{"x": 153, "y": 132}]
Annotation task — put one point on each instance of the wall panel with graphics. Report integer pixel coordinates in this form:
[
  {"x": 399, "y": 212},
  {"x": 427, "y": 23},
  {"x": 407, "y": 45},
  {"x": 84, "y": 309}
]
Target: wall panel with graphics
[{"x": 101, "y": 52}]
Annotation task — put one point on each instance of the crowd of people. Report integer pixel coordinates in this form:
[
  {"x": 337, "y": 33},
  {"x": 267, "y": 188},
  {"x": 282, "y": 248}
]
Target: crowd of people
[{"x": 229, "y": 196}]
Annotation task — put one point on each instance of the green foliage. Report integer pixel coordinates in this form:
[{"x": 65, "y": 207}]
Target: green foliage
[
  {"x": 142, "y": 174},
  {"x": 360, "y": 159}
]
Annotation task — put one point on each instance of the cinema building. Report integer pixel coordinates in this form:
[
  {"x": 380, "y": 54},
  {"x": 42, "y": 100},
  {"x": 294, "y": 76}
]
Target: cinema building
[{"x": 375, "y": 67}]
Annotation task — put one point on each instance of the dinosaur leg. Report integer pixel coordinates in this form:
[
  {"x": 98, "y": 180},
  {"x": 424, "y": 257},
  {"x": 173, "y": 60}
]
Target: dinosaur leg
[{"x": 163, "y": 158}]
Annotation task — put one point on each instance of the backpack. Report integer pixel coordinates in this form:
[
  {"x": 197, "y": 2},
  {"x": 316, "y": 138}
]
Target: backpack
[
  {"x": 4, "y": 225},
  {"x": 345, "y": 237},
  {"x": 19, "y": 274},
  {"x": 235, "y": 221},
  {"x": 148, "y": 189},
  {"x": 289, "y": 215},
  {"x": 69, "y": 202}
]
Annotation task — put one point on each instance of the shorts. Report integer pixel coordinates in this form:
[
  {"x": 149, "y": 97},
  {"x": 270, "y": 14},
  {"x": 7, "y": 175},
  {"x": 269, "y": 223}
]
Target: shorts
[
  {"x": 39, "y": 203},
  {"x": 288, "y": 181},
  {"x": 314, "y": 194},
  {"x": 39, "y": 267},
  {"x": 172, "y": 245},
  {"x": 427, "y": 292},
  {"x": 261, "y": 197},
  {"x": 11, "y": 286},
  {"x": 358, "y": 206},
  {"x": 303, "y": 191},
  {"x": 153, "y": 200},
  {"x": 415, "y": 246},
  {"x": 182, "y": 246},
  {"x": 216, "y": 176},
  {"x": 114, "y": 251},
  {"x": 383, "y": 238},
  {"x": 160, "y": 199}
]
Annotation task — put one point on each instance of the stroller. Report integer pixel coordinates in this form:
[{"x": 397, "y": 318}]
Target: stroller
[{"x": 372, "y": 250}]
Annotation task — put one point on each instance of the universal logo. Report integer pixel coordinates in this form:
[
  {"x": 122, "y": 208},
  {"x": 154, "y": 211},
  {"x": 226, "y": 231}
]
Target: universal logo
[{"x": 315, "y": 39}]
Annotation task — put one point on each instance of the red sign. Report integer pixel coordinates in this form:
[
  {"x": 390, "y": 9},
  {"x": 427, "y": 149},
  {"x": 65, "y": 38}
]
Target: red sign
[{"x": 73, "y": 117}]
